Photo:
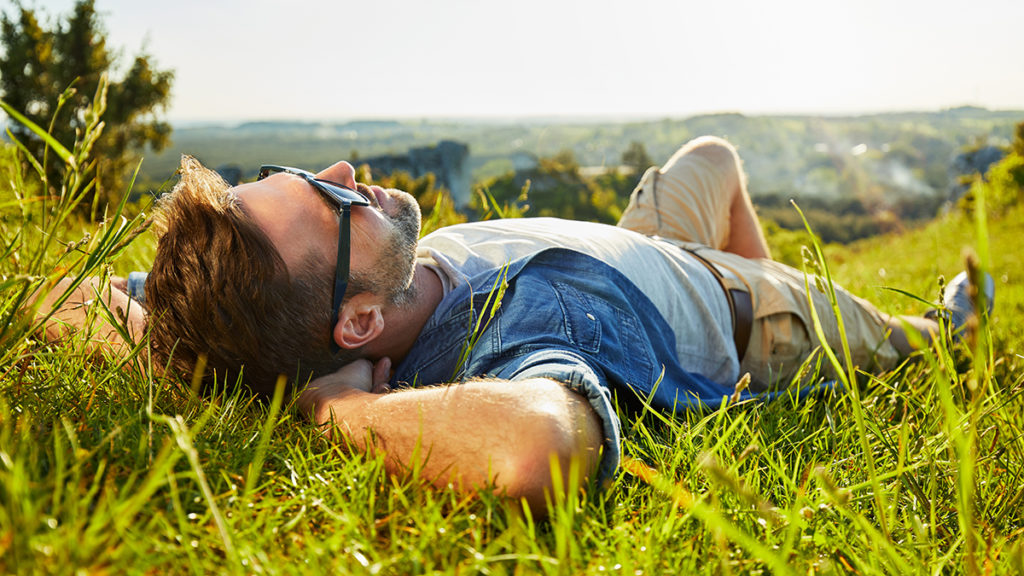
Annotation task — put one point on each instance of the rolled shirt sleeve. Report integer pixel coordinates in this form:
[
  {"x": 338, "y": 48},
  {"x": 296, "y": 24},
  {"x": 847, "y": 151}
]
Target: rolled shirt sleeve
[{"x": 137, "y": 286}]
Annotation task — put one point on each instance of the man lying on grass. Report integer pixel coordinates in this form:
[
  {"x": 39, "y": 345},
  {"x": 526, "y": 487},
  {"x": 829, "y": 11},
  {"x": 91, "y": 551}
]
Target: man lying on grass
[{"x": 537, "y": 322}]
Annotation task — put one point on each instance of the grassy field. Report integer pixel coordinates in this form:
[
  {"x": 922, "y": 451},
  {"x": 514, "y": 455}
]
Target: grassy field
[{"x": 106, "y": 468}]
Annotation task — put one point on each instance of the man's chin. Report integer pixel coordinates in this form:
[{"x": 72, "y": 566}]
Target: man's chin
[
  {"x": 406, "y": 215},
  {"x": 405, "y": 205}
]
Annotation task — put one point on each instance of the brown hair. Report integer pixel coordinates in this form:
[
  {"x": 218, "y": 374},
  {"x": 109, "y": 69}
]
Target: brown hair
[{"x": 219, "y": 289}]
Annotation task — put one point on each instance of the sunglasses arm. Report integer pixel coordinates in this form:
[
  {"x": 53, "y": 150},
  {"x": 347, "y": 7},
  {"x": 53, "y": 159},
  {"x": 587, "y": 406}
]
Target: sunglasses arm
[{"x": 341, "y": 272}]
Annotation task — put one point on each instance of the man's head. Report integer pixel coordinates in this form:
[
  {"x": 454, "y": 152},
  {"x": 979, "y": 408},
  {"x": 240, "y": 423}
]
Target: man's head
[{"x": 244, "y": 275}]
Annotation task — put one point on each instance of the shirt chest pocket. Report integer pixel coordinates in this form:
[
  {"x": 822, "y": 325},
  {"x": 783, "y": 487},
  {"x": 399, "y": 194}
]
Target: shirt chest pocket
[
  {"x": 613, "y": 335},
  {"x": 582, "y": 324}
]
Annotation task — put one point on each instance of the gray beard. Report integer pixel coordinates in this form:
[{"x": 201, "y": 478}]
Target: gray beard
[
  {"x": 393, "y": 276},
  {"x": 403, "y": 246}
]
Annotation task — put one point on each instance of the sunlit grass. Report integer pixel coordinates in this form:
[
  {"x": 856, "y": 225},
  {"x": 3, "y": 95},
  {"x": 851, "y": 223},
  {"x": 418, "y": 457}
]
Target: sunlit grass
[{"x": 103, "y": 470}]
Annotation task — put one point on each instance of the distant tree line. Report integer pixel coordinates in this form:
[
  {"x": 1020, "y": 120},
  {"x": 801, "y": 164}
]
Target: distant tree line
[
  {"x": 1002, "y": 183},
  {"x": 558, "y": 187}
]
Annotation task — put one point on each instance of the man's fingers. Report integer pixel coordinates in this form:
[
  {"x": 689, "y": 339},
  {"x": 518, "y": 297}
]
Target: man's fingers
[
  {"x": 381, "y": 375},
  {"x": 356, "y": 375}
]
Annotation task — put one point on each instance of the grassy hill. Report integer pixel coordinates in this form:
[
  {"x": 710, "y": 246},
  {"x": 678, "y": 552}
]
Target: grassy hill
[
  {"x": 855, "y": 176},
  {"x": 891, "y": 154},
  {"x": 105, "y": 469}
]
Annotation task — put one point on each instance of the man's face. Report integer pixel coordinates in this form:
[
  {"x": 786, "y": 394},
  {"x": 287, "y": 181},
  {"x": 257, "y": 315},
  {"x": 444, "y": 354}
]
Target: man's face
[{"x": 304, "y": 226}]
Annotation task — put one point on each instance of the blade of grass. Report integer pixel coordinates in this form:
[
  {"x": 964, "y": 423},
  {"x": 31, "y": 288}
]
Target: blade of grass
[
  {"x": 256, "y": 465},
  {"x": 848, "y": 378},
  {"x": 58, "y": 148}
]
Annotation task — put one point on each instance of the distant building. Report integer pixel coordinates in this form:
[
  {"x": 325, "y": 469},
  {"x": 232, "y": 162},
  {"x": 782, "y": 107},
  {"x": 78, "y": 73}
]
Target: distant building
[{"x": 447, "y": 161}]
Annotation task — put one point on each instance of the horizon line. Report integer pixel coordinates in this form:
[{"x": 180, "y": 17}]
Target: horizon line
[{"x": 571, "y": 118}]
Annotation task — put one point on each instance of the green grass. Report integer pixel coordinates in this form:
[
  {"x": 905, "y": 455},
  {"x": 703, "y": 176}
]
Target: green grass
[{"x": 921, "y": 472}]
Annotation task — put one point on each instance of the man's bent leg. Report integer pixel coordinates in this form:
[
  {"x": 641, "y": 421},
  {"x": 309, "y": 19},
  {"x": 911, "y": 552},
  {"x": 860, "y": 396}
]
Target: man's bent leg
[
  {"x": 781, "y": 343},
  {"x": 783, "y": 333},
  {"x": 699, "y": 196}
]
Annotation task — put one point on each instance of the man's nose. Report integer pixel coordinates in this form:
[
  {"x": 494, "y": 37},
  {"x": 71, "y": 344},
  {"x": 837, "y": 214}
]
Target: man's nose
[{"x": 343, "y": 173}]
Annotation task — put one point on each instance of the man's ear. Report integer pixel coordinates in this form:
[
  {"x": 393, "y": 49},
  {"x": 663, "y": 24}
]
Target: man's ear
[{"x": 360, "y": 322}]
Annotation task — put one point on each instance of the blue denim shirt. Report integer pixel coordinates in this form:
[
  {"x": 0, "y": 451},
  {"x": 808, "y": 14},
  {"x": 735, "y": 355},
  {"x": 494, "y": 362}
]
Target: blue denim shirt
[{"x": 568, "y": 317}]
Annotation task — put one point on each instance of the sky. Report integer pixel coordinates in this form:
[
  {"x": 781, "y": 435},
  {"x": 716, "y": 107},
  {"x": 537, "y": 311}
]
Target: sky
[{"x": 338, "y": 59}]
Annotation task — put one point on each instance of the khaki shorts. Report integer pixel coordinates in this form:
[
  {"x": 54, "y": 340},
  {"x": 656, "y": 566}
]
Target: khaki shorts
[{"x": 688, "y": 200}]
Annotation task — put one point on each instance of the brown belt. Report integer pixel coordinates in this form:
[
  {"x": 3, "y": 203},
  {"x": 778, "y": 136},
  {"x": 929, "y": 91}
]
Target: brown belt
[
  {"x": 742, "y": 320},
  {"x": 741, "y": 309}
]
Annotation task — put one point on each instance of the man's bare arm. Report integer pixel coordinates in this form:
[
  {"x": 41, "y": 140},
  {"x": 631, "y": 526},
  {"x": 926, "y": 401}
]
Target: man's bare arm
[
  {"x": 471, "y": 435},
  {"x": 88, "y": 298}
]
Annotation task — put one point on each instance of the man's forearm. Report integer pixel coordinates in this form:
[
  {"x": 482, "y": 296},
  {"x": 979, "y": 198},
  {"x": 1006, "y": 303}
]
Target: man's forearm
[
  {"x": 475, "y": 434},
  {"x": 74, "y": 313}
]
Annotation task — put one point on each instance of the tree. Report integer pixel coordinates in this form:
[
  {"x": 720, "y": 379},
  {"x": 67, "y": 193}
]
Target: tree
[
  {"x": 1017, "y": 147},
  {"x": 41, "y": 65},
  {"x": 635, "y": 156},
  {"x": 557, "y": 187}
]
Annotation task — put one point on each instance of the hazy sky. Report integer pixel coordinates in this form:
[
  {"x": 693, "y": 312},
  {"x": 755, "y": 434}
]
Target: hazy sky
[{"x": 337, "y": 59}]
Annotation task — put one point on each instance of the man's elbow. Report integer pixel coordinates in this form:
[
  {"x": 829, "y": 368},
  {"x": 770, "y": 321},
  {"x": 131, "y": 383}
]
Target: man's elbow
[{"x": 561, "y": 455}]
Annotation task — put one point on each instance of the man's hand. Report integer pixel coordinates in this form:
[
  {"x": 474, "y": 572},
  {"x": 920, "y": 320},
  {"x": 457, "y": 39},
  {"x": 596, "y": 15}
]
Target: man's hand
[
  {"x": 75, "y": 314},
  {"x": 358, "y": 376},
  {"x": 119, "y": 283}
]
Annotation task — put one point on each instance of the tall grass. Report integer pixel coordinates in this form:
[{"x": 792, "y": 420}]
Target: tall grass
[{"x": 918, "y": 471}]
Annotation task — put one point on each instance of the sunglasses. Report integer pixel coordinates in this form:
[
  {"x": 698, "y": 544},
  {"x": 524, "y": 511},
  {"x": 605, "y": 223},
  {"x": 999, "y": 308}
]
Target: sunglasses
[{"x": 343, "y": 198}]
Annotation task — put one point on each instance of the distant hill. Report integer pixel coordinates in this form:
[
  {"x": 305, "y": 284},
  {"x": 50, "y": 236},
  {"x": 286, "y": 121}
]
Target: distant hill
[{"x": 880, "y": 156}]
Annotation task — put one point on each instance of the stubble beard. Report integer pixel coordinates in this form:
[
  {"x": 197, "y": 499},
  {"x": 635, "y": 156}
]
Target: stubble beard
[{"x": 393, "y": 276}]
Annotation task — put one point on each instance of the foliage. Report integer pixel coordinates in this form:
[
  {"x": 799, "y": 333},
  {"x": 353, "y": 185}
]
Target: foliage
[
  {"x": 51, "y": 75},
  {"x": 904, "y": 155},
  {"x": 435, "y": 202},
  {"x": 854, "y": 176},
  {"x": 558, "y": 188},
  {"x": 1003, "y": 186},
  {"x": 919, "y": 471},
  {"x": 786, "y": 246},
  {"x": 1018, "y": 140},
  {"x": 847, "y": 219},
  {"x": 34, "y": 224},
  {"x": 1017, "y": 149},
  {"x": 636, "y": 158}
]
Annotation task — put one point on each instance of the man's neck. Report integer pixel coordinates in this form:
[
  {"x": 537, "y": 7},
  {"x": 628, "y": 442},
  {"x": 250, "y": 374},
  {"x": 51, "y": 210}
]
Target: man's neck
[{"x": 402, "y": 325}]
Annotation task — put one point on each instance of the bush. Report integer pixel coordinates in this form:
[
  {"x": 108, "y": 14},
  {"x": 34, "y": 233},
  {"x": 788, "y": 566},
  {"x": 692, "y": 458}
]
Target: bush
[{"x": 1003, "y": 187}]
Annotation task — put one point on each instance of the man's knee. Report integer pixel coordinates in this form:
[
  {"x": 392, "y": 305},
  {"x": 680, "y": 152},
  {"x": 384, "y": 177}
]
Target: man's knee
[
  {"x": 718, "y": 151},
  {"x": 723, "y": 157}
]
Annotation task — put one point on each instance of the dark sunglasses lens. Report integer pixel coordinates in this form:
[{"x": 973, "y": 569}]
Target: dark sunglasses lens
[
  {"x": 271, "y": 169},
  {"x": 342, "y": 193},
  {"x": 339, "y": 193}
]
